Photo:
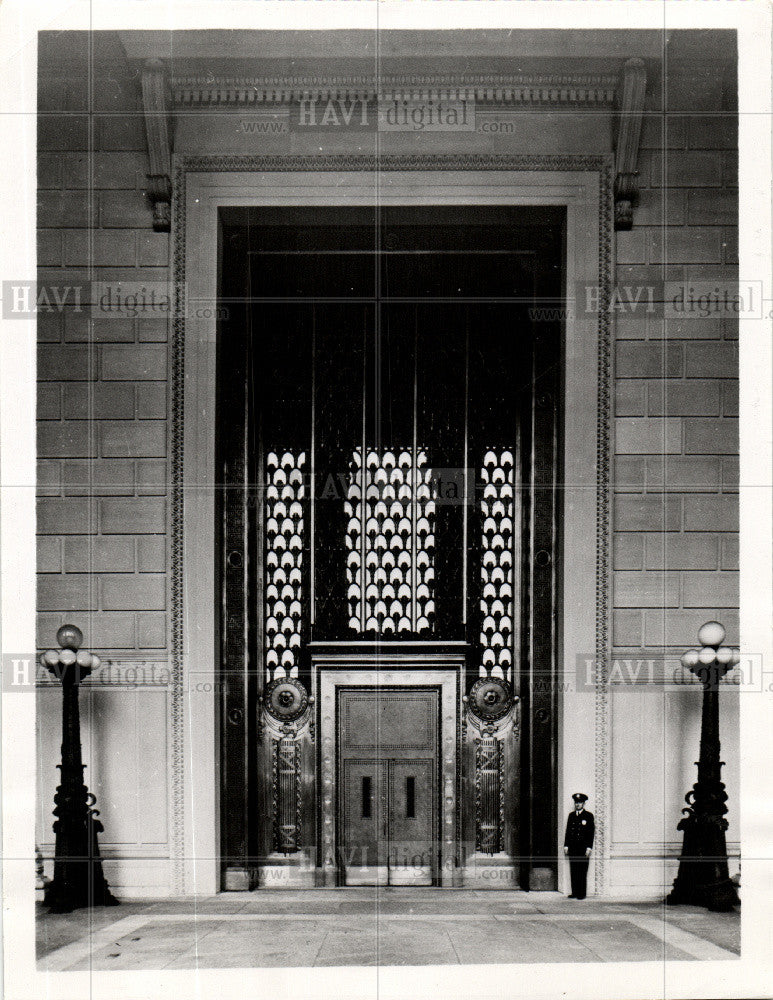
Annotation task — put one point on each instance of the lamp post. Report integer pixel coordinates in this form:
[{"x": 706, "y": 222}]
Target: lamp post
[
  {"x": 78, "y": 879},
  {"x": 703, "y": 878}
]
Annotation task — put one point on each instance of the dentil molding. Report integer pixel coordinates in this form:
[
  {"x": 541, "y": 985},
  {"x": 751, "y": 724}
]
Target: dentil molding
[{"x": 538, "y": 89}]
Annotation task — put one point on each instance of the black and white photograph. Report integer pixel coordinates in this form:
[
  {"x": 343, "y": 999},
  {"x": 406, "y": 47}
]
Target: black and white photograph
[{"x": 386, "y": 499}]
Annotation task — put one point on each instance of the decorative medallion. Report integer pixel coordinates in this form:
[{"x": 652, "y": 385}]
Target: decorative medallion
[
  {"x": 490, "y": 698},
  {"x": 286, "y": 699}
]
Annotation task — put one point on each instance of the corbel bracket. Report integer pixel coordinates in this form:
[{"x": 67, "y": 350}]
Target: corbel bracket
[
  {"x": 631, "y": 108},
  {"x": 155, "y": 102}
]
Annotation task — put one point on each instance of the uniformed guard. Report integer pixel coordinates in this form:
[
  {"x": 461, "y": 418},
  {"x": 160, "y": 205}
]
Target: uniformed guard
[{"x": 578, "y": 843}]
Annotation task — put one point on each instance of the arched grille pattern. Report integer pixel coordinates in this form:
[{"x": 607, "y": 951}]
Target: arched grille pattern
[
  {"x": 496, "y": 566},
  {"x": 284, "y": 557},
  {"x": 390, "y": 540}
]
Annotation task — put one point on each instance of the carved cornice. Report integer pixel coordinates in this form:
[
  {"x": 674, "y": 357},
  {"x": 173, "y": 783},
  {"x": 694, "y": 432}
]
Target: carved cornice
[
  {"x": 634, "y": 82},
  {"x": 163, "y": 95},
  {"x": 495, "y": 88}
]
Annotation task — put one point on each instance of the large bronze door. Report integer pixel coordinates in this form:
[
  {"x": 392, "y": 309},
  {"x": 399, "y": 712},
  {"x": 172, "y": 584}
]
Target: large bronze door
[
  {"x": 389, "y": 393},
  {"x": 388, "y": 765}
]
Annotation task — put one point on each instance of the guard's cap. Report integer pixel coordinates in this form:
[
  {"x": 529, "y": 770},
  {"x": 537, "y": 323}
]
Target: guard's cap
[{"x": 580, "y": 797}]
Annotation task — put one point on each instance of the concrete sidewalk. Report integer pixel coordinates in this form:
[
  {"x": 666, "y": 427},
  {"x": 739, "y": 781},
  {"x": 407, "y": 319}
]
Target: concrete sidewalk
[{"x": 394, "y": 926}]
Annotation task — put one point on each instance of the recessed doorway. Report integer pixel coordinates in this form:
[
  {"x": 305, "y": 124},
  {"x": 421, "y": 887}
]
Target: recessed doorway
[{"x": 388, "y": 425}]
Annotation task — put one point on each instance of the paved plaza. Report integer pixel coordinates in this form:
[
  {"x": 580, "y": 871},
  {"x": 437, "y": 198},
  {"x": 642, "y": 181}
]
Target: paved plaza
[{"x": 394, "y": 926}]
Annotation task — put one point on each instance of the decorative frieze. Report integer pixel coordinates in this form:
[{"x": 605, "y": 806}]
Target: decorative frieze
[
  {"x": 540, "y": 89},
  {"x": 364, "y": 93}
]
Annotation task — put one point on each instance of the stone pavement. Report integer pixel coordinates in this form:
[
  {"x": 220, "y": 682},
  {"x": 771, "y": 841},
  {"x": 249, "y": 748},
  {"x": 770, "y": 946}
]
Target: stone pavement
[{"x": 394, "y": 926}]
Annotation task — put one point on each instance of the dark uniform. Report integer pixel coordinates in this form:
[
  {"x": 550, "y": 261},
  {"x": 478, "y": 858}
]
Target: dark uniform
[{"x": 580, "y": 830}]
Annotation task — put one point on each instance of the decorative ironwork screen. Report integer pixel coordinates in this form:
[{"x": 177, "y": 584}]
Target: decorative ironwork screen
[
  {"x": 390, "y": 540},
  {"x": 496, "y": 565},
  {"x": 284, "y": 558}
]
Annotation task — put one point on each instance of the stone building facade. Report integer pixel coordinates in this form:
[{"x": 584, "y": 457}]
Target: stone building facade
[{"x": 137, "y": 129}]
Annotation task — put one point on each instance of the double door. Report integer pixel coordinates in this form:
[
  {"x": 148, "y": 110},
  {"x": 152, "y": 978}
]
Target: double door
[
  {"x": 388, "y": 764},
  {"x": 388, "y": 825}
]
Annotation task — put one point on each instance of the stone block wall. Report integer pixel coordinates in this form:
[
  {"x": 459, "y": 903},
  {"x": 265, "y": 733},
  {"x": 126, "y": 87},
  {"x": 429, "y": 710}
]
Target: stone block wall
[
  {"x": 675, "y": 471},
  {"x": 102, "y": 431},
  {"x": 675, "y": 479}
]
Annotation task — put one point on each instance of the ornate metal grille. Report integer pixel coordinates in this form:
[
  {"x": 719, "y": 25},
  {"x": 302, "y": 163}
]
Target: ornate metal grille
[
  {"x": 286, "y": 794},
  {"x": 496, "y": 565},
  {"x": 390, "y": 540},
  {"x": 284, "y": 556},
  {"x": 489, "y": 800}
]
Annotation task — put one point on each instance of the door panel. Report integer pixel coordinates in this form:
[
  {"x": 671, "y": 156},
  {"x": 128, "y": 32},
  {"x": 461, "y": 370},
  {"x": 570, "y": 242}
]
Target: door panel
[
  {"x": 364, "y": 847},
  {"x": 411, "y": 815},
  {"x": 388, "y": 720}
]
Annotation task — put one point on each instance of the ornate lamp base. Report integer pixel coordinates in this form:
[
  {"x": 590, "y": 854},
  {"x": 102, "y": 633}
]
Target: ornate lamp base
[
  {"x": 720, "y": 897},
  {"x": 78, "y": 879},
  {"x": 703, "y": 878},
  {"x": 66, "y": 895}
]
